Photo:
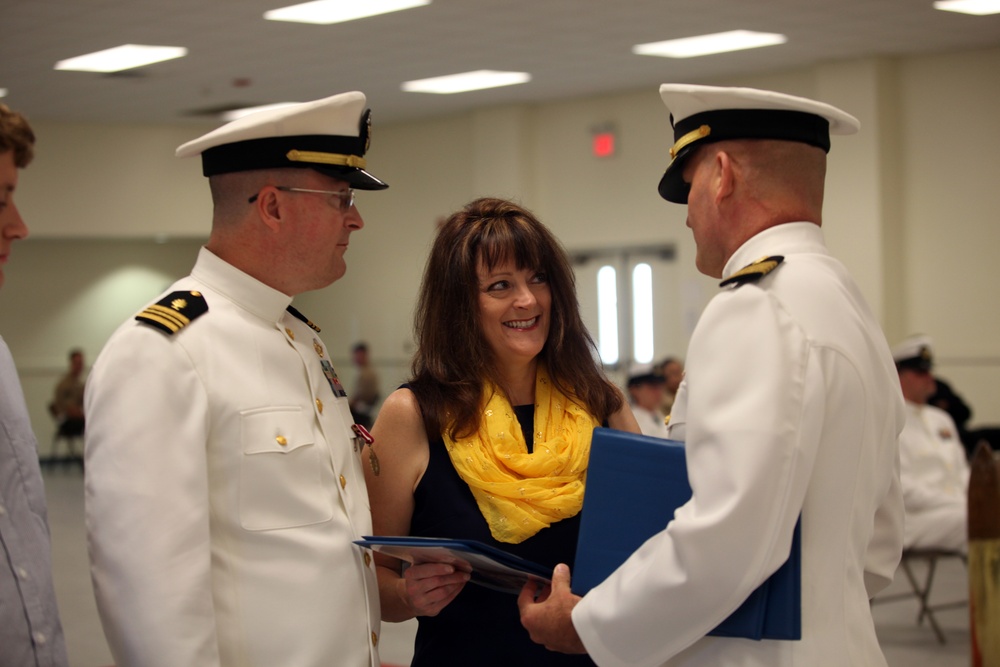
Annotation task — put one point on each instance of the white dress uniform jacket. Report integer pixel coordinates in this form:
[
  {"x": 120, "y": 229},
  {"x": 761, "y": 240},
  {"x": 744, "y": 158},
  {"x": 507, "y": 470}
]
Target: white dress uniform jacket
[
  {"x": 791, "y": 405},
  {"x": 651, "y": 422},
  {"x": 224, "y": 489},
  {"x": 934, "y": 472}
]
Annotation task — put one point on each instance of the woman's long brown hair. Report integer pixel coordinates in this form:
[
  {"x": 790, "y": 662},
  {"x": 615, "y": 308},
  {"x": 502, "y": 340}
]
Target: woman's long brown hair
[{"x": 453, "y": 361}]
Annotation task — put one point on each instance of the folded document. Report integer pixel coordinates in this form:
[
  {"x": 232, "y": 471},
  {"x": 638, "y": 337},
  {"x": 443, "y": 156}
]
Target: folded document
[{"x": 488, "y": 566}]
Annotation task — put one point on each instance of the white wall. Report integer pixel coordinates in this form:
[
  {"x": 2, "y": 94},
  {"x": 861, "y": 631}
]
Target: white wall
[
  {"x": 911, "y": 209},
  {"x": 113, "y": 181},
  {"x": 951, "y": 205}
]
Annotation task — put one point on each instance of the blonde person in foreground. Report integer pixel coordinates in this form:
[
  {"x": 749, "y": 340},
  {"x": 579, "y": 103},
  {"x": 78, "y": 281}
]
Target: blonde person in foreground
[
  {"x": 223, "y": 481},
  {"x": 790, "y": 406}
]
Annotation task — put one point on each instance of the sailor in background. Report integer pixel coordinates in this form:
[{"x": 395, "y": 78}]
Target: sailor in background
[
  {"x": 646, "y": 389},
  {"x": 790, "y": 406},
  {"x": 933, "y": 467},
  {"x": 223, "y": 482}
]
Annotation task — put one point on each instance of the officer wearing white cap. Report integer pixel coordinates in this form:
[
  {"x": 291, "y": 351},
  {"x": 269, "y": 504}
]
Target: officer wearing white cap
[
  {"x": 646, "y": 388},
  {"x": 224, "y": 482},
  {"x": 933, "y": 467},
  {"x": 790, "y": 410},
  {"x": 914, "y": 353}
]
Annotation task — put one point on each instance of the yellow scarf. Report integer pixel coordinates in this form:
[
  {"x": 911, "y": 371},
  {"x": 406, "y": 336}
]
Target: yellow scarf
[{"x": 517, "y": 492}]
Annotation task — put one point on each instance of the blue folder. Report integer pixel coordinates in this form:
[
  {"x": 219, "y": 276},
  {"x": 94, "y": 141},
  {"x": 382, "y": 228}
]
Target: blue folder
[
  {"x": 634, "y": 484},
  {"x": 488, "y": 566}
]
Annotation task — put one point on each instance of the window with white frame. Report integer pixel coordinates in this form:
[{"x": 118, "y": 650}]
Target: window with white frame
[{"x": 626, "y": 300}]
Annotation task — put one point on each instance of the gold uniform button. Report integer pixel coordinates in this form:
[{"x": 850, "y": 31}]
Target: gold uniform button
[
  {"x": 374, "y": 639},
  {"x": 343, "y": 482},
  {"x": 368, "y": 559},
  {"x": 282, "y": 440},
  {"x": 291, "y": 334},
  {"x": 319, "y": 405}
]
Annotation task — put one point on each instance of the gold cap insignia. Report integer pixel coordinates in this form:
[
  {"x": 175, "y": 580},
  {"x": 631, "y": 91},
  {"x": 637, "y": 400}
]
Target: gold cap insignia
[{"x": 365, "y": 129}]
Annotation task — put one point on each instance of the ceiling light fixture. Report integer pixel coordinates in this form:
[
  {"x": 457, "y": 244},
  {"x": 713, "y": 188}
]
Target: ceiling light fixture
[
  {"x": 325, "y": 12},
  {"x": 121, "y": 58},
  {"x": 3, "y": 92},
  {"x": 974, "y": 7},
  {"x": 703, "y": 45},
  {"x": 466, "y": 81}
]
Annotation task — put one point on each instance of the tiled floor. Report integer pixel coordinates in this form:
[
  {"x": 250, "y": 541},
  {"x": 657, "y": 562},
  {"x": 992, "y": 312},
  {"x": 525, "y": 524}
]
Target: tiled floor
[{"x": 904, "y": 642}]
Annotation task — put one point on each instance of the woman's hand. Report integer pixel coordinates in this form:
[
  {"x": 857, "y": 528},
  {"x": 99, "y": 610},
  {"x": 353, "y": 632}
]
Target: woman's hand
[{"x": 427, "y": 588}]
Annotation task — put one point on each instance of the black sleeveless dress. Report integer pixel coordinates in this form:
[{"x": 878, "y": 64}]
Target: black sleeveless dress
[{"x": 481, "y": 626}]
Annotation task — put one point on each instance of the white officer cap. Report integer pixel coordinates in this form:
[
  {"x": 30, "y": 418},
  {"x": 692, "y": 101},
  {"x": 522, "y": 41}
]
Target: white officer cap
[
  {"x": 330, "y": 135},
  {"x": 705, "y": 114},
  {"x": 915, "y": 353},
  {"x": 645, "y": 374}
]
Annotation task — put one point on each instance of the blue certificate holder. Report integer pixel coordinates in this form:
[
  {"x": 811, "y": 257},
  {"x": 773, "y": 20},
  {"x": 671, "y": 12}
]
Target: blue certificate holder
[
  {"x": 486, "y": 565},
  {"x": 634, "y": 485}
]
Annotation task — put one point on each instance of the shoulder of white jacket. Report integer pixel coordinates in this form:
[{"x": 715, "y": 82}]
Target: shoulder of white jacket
[
  {"x": 751, "y": 273},
  {"x": 174, "y": 311}
]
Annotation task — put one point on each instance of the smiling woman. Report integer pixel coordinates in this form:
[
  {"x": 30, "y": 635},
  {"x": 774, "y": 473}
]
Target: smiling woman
[
  {"x": 490, "y": 439},
  {"x": 514, "y": 309}
]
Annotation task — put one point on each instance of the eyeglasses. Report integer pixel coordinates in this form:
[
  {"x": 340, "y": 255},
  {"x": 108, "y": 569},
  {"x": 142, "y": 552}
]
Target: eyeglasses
[{"x": 342, "y": 200}]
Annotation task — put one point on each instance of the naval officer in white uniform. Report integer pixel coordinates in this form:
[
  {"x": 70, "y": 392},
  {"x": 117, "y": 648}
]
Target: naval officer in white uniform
[
  {"x": 223, "y": 480},
  {"x": 790, "y": 407},
  {"x": 933, "y": 468}
]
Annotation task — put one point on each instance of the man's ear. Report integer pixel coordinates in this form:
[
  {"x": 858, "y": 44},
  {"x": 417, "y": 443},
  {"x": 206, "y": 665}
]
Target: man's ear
[
  {"x": 725, "y": 176},
  {"x": 269, "y": 207}
]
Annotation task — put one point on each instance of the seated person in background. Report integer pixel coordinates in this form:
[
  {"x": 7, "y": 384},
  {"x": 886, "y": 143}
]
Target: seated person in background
[
  {"x": 933, "y": 469},
  {"x": 67, "y": 404},
  {"x": 365, "y": 397},
  {"x": 672, "y": 370},
  {"x": 948, "y": 400},
  {"x": 646, "y": 388},
  {"x": 944, "y": 397},
  {"x": 490, "y": 438}
]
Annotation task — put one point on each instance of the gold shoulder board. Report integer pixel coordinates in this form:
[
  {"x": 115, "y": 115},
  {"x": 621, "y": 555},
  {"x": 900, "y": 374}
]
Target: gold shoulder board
[
  {"x": 302, "y": 317},
  {"x": 174, "y": 312},
  {"x": 753, "y": 272}
]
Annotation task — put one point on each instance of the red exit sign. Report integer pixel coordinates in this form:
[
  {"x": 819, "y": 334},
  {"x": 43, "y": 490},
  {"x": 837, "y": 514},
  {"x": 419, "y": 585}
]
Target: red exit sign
[{"x": 603, "y": 144}]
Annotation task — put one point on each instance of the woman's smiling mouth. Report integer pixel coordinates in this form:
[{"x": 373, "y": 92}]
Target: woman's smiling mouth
[{"x": 522, "y": 324}]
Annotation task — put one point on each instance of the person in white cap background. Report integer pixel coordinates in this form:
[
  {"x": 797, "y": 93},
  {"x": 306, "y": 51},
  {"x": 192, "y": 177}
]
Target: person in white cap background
[
  {"x": 646, "y": 388},
  {"x": 933, "y": 467},
  {"x": 790, "y": 407},
  {"x": 224, "y": 485}
]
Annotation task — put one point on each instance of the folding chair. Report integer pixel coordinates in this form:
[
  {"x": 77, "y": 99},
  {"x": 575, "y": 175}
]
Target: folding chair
[{"x": 921, "y": 589}]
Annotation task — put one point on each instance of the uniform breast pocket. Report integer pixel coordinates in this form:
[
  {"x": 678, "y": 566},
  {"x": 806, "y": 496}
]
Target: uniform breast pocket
[{"x": 281, "y": 471}]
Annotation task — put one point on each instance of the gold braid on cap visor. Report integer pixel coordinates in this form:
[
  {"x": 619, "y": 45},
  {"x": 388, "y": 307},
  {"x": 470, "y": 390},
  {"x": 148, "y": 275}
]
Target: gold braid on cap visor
[
  {"x": 690, "y": 137},
  {"x": 316, "y": 157}
]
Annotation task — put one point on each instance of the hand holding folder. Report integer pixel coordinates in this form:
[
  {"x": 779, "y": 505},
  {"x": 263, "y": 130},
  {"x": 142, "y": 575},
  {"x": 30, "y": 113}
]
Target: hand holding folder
[
  {"x": 645, "y": 479},
  {"x": 487, "y": 566}
]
